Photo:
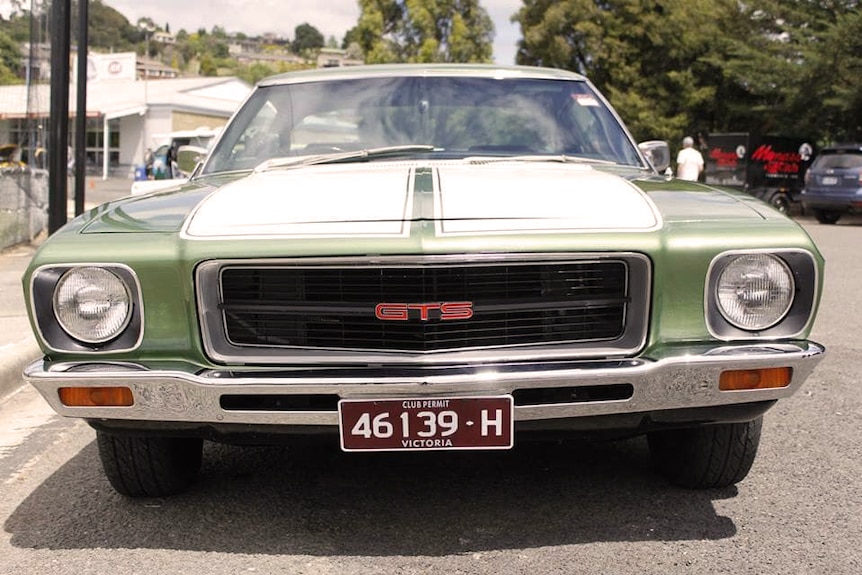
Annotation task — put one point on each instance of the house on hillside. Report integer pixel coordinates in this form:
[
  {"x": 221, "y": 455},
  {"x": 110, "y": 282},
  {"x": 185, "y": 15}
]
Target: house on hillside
[
  {"x": 164, "y": 38},
  {"x": 335, "y": 58}
]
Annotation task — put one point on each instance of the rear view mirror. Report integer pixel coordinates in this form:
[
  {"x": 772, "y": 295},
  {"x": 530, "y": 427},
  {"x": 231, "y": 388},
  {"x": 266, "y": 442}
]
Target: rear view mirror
[
  {"x": 188, "y": 157},
  {"x": 657, "y": 153}
]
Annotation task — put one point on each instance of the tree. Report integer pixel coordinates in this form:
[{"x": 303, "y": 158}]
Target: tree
[
  {"x": 350, "y": 37},
  {"x": 353, "y": 51},
  {"x": 18, "y": 26},
  {"x": 306, "y": 38},
  {"x": 423, "y": 31},
  {"x": 844, "y": 100},
  {"x": 220, "y": 50},
  {"x": 208, "y": 66},
  {"x": 647, "y": 57},
  {"x": 10, "y": 60},
  {"x": 830, "y": 70},
  {"x": 107, "y": 29},
  {"x": 783, "y": 67}
]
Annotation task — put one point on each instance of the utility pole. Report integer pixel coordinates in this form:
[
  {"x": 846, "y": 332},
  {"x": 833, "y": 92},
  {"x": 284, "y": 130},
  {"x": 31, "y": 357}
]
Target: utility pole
[
  {"x": 58, "y": 131},
  {"x": 81, "y": 112},
  {"x": 147, "y": 29}
]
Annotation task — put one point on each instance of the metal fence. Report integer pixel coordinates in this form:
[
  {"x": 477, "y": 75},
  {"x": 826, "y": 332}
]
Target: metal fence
[{"x": 23, "y": 205}]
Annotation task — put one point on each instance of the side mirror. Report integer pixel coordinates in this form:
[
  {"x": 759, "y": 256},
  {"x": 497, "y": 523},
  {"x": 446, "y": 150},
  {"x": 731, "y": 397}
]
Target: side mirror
[
  {"x": 188, "y": 157},
  {"x": 657, "y": 153}
]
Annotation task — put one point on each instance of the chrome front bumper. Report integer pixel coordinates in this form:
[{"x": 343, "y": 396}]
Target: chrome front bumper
[{"x": 680, "y": 378}]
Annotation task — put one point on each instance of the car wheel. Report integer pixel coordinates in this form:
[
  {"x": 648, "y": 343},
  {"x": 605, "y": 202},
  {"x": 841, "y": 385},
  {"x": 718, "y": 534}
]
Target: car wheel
[
  {"x": 149, "y": 466},
  {"x": 780, "y": 202},
  {"x": 826, "y": 217},
  {"x": 706, "y": 457}
]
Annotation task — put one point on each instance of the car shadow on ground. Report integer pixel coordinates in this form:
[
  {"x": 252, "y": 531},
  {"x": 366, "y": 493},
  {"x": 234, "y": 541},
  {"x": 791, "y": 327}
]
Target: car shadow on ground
[
  {"x": 852, "y": 220},
  {"x": 316, "y": 500}
]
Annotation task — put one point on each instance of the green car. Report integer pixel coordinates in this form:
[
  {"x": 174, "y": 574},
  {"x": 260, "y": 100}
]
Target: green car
[{"x": 425, "y": 258}]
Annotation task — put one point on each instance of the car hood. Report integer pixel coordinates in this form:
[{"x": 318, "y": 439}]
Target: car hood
[
  {"x": 382, "y": 199},
  {"x": 385, "y": 199}
]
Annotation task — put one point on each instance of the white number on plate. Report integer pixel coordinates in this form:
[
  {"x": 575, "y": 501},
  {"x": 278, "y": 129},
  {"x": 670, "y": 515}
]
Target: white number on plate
[
  {"x": 377, "y": 427},
  {"x": 446, "y": 422}
]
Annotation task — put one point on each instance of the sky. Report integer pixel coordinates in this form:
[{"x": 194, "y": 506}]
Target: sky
[{"x": 281, "y": 17}]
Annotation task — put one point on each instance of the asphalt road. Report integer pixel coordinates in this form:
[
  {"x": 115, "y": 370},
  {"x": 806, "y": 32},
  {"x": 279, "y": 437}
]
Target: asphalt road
[{"x": 540, "y": 509}]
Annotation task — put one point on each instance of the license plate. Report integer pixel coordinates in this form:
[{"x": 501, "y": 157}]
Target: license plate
[
  {"x": 829, "y": 180},
  {"x": 426, "y": 424}
]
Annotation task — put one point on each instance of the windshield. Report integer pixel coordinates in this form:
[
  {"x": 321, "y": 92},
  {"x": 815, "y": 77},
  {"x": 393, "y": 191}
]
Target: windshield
[
  {"x": 838, "y": 160},
  {"x": 456, "y": 116}
]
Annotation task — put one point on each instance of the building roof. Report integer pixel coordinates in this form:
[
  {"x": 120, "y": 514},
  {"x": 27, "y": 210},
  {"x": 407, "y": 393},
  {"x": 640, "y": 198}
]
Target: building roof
[{"x": 116, "y": 98}]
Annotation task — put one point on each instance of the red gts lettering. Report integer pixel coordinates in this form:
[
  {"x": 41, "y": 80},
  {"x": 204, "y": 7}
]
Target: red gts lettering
[{"x": 444, "y": 311}]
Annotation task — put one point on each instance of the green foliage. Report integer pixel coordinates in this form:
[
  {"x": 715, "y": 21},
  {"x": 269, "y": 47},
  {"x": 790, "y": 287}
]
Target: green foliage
[
  {"x": 423, "y": 31},
  {"x": 833, "y": 82},
  {"x": 208, "y": 66},
  {"x": 845, "y": 96},
  {"x": 220, "y": 50},
  {"x": 671, "y": 67},
  {"x": 10, "y": 60},
  {"x": 18, "y": 26},
  {"x": 108, "y": 29},
  {"x": 254, "y": 73},
  {"x": 350, "y": 37},
  {"x": 647, "y": 57},
  {"x": 306, "y": 38}
]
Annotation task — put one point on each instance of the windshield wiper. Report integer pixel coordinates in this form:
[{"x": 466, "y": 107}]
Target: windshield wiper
[
  {"x": 367, "y": 153},
  {"x": 561, "y": 158}
]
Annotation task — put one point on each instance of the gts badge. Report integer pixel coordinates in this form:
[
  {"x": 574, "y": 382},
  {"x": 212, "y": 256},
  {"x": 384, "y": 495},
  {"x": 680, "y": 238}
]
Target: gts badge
[{"x": 443, "y": 311}]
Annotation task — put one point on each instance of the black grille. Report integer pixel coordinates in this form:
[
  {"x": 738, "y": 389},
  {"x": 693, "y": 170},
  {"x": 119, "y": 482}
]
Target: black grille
[{"x": 513, "y": 304}]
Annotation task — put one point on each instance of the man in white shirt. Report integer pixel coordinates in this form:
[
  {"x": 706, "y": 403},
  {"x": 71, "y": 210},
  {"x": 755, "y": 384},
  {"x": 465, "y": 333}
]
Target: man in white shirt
[{"x": 689, "y": 162}]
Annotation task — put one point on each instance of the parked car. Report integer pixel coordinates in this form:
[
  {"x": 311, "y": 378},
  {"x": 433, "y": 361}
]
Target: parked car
[
  {"x": 425, "y": 257},
  {"x": 833, "y": 183},
  {"x": 175, "y": 159}
]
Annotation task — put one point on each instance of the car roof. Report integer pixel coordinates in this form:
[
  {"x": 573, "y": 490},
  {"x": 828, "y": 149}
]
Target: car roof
[
  {"x": 841, "y": 148},
  {"x": 408, "y": 70}
]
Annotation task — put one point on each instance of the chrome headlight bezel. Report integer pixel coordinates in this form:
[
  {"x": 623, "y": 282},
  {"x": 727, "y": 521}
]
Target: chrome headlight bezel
[
  {"x": 60, "y": 335},
  {"x": 802, "y": 281}
]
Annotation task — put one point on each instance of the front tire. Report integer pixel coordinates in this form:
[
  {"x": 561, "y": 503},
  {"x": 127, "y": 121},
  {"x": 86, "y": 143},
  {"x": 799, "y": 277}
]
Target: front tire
[
  {"x": 826, "y": 217},
  {"x": 780, "y": 202},
  {"x": 707, "y": 457},
  {"x": 149, "y": 466}
]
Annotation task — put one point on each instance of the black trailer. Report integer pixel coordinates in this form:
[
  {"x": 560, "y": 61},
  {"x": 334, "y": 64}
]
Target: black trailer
[{"x": 771, "y": 168}]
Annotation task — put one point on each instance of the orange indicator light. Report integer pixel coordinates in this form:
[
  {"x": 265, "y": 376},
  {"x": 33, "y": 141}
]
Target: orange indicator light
[
  {"x": 767, "y": 378},
  {"x": 96, "y": 396}
]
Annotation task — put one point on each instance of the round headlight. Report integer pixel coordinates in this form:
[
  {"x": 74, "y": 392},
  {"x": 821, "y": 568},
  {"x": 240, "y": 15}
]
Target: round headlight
[
  {"x": 92, "y": 305},
  {"x": 755, "y": 291}
]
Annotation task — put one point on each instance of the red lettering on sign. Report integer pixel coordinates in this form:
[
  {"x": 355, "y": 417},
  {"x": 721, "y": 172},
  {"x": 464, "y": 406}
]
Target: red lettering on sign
[
  {"x": 777, "y": 162},
  {"x": 724, "y": 159}
]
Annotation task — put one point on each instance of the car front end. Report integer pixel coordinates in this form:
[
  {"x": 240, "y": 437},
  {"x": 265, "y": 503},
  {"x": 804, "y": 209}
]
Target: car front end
[{"x": 426, "y": 300}]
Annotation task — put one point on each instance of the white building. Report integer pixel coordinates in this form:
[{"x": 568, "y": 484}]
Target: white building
[{"x": 124, "y": 117}]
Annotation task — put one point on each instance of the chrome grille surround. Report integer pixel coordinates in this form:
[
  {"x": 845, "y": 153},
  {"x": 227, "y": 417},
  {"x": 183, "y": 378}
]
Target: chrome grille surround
[{"x": 240, "y": 330}]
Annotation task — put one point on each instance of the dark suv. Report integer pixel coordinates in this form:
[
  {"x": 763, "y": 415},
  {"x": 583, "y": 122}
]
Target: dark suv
[{"x": 833, "y": 184}]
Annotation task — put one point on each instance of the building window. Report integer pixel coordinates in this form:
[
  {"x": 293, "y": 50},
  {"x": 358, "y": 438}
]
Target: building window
[{"x": 96, "y": 141}]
